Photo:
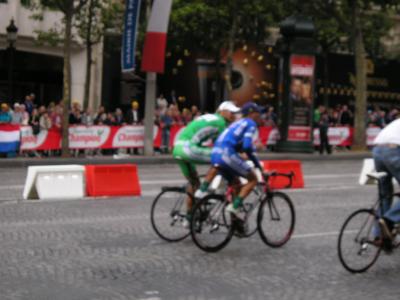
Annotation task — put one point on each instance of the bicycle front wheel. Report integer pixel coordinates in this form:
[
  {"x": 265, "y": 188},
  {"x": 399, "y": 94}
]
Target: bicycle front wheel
[
  {"x": 358, "y": 247},
  {"x": 276, "y": 219},
  {"x": 209, "y": 229},
  {"x": 168, "y": 213}
]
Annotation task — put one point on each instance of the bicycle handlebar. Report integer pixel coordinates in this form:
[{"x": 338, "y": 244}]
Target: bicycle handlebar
[{"x": 289, "y": 175}]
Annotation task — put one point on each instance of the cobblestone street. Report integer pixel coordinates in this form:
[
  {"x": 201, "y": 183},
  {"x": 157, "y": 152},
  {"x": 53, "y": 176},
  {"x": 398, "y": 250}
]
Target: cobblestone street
[{"x": 106, "y": 248}]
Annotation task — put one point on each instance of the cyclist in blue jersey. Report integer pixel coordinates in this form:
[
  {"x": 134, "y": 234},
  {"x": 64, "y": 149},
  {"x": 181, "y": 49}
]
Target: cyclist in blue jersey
[{"x": 227, "y": 153}]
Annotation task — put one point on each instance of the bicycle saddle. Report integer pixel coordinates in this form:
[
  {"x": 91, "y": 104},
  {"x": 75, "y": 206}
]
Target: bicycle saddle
[{"x": 377, "y": 175}]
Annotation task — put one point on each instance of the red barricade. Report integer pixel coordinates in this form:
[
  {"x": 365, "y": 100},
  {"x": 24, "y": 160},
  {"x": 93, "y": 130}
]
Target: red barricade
[
  {"x": 112, "y": 180},
  {"x": 285, "y": 166}
]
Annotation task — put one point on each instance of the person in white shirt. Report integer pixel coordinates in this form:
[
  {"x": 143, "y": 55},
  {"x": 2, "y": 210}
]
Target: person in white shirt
[
  {"x": 386, "y": 155},
  {"x": 17, "y": 115},
  {"x": 162, "y": 105}
]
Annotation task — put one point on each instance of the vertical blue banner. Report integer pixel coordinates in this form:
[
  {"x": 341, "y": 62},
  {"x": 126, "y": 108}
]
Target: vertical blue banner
[{"x": 129, "y": 37}]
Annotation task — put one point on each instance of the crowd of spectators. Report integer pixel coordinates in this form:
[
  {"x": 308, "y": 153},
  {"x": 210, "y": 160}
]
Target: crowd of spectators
[
  {"x": 167, "y": 114},
  {"x": 342, "y": 115}
]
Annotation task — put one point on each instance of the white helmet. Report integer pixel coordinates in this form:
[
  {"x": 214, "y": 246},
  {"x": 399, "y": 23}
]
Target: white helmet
[{"x": 229, "y": 106}]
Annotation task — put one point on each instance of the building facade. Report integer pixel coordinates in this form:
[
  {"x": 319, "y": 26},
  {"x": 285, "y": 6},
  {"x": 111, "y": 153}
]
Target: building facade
[{"x": 38, "y": 68}]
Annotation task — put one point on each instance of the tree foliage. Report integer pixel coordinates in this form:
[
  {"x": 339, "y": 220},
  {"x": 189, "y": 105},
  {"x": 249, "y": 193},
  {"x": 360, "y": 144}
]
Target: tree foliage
[
  {"x": 205, "y": 25},
  {"x": 69, "y": 9},
  {"x": 211, "y": 26},
  {"x": 364, "y": 24}
]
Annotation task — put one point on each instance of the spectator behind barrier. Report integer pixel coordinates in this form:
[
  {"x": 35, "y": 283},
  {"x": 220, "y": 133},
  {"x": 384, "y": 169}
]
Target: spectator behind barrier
[
  {"x": 17, "y": 115},
  {"x": 5, "y": 116}
]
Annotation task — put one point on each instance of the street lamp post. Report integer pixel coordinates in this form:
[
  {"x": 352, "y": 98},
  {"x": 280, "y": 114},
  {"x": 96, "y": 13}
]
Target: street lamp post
[{"x": 12, "y": 31}]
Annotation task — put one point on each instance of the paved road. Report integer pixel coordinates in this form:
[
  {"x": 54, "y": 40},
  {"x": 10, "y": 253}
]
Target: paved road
[{"x": 106, "y": 249}]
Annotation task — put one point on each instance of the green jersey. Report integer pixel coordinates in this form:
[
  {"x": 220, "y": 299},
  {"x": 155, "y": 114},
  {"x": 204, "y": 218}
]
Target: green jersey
[
  {"x": 188, "y": 148},
  {"x": 204, "y": 128}
]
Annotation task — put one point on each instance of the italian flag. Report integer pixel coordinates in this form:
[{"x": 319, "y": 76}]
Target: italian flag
[{"x": 156, "y": 37}]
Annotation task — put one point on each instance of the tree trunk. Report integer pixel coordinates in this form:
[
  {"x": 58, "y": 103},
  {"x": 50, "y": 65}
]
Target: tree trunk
[
  {"x": 67, "y": 80},
  {"x": 361, "y": 83},
  {"x": 326, "y": 78},
  {"x": 218, "y": 76},
  {"x": 88, "y": 55},
  {"x": 229, "y": 62}
]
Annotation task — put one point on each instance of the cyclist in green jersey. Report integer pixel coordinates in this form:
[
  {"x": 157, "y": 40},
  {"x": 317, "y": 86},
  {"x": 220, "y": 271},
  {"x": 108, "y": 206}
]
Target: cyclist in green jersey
[{"x": 189, "y": 148}]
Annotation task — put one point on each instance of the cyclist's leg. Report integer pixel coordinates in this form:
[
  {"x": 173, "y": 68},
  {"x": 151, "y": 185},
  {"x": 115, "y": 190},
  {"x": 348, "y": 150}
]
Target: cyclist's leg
[
  {"x": 238, "y": 166},
  {"x": 203, "y": 188},
  {"x": 385, "y": 186},
  {"x": 200, "y": 155},
  {"x": 188, "y": 170},
  {"x": 392, "y": 162},
  {"x": 211, "y": 173}
]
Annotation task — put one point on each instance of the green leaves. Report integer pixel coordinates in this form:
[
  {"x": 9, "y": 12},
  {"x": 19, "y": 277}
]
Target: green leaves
[
  {"x": 205, "y": 25},
  {"x": 335, "y": 22}
]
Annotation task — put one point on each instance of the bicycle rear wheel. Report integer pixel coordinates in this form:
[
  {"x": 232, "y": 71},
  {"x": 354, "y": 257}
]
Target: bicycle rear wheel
[
  {"x": 276, "y": 219},
  {"x": 168, "y": 213},
  {"x": 357, "y": 248},
  {"x": 209, "y": 229}
]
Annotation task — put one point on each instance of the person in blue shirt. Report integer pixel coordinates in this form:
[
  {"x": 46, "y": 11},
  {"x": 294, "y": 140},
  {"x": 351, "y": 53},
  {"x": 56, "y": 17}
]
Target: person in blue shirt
[
  {"x": 227, "y": 154},
  {"x": 5, "y": 116}
]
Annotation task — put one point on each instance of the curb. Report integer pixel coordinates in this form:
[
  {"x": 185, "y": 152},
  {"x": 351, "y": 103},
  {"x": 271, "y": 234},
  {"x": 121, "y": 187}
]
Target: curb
[{"x": 168, "y": 159}]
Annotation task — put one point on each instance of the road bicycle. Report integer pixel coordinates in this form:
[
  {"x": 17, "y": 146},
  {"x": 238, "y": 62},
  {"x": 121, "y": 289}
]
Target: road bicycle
[
  {"x": 360, "y": 239},
  {"x": 271, "y": 213},
  {"x": 169, "y": 211}
]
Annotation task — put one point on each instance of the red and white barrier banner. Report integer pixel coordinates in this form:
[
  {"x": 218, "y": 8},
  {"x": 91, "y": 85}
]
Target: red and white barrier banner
[
  {"x": 343, "y": 136},
  {"x": 109, "y": 137},
  {"x": 87, "y": 137},
  {"x": 268, "y": 135},
  {"x": 45, "y": 140},
  {"x": 338, "y": 136}
]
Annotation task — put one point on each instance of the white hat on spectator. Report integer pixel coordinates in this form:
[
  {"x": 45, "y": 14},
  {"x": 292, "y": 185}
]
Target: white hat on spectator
[
  {"x": 229, "y": 106},
  {"x": 16, "y": 104}
]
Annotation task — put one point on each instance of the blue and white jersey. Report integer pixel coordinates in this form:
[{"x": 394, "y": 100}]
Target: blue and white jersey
[{"x": 239, "y": 136}]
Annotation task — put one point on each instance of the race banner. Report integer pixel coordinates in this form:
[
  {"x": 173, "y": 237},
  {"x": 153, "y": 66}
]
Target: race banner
[
  {"x": 129, "y": 35},
  {"x": 130, "y": 136},
  {"x": 114, "y": 137},
  {"x": 84, "y": 137},
  {"x": 268, "y": 135},
  {"x": 338, "y": 136},
  {"x": 45, "y": 140}
]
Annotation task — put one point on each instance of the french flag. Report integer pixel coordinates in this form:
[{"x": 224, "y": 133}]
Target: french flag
[
  {"x": 9, "y": 138},
  {"x": 156, "y": 37}
]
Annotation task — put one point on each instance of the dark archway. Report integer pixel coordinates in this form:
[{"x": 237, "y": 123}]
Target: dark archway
[{"x": 33, "y": 73}]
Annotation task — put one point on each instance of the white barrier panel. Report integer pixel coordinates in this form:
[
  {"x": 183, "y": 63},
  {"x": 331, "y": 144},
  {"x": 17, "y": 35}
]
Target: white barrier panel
[
  {"x": 55, "y": 182},
  {"x": 368, "y": 167}
]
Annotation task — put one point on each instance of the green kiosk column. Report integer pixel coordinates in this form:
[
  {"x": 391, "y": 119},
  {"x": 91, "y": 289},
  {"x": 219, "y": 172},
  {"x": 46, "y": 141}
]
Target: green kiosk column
[{"x": 297, "y": 49}]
